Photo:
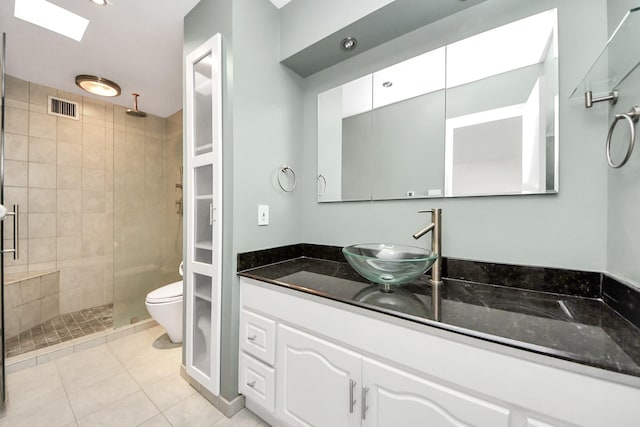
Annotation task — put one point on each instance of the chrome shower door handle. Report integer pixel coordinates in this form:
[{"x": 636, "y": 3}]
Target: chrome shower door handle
[{"x": 16, "y": 231}]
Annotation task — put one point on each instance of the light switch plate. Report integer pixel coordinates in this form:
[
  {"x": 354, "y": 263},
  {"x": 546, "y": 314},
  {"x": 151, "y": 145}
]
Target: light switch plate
[{"x": 263, "y": 214}]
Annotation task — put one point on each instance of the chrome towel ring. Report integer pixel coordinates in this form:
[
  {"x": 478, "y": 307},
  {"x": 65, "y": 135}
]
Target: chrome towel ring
[
  {"x": 631, "y": 118},
  {"x": 283, "y": 172}
]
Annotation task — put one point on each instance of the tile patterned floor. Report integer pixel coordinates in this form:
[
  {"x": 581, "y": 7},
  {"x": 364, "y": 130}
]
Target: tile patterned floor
[
  {"x": 61, "y": 328},
  {"x": 132, "y": 381}
]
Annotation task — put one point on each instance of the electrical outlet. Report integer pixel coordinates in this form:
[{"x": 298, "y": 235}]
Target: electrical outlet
[{"x": 263, "y": 214}]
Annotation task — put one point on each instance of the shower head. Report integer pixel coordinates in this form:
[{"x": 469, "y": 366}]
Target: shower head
[{"x": 134, "y": 111}]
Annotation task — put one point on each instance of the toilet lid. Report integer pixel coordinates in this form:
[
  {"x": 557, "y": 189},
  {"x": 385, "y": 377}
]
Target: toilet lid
[{"x": 167, "y": 293}]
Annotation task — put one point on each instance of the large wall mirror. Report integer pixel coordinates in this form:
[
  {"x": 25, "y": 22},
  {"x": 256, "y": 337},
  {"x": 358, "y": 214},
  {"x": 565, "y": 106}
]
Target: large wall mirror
[{"x": 475, "y": 117}]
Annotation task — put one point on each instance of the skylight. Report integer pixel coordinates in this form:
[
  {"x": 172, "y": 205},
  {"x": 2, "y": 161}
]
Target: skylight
[{"x": 54, "y": 18}]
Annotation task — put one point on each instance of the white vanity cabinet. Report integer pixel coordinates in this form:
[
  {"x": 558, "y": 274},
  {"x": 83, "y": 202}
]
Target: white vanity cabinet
[
  {"x": 397, "y": 398},
  {"x": 317, "y": 381},
  {"x": 338, "y": 365}
]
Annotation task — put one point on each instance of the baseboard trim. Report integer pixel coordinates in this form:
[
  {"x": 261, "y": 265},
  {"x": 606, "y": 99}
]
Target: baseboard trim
[{"x": 228, "y": 407}]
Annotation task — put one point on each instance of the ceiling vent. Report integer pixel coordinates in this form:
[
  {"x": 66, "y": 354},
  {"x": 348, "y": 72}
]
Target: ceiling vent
[{"x": 63, "y": 108}]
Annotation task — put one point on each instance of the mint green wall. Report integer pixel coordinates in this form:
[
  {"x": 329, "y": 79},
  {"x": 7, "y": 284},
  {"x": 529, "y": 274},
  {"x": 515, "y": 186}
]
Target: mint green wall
[
  {"x": 262, "y": 124},
  {"x": 623, "y": 245},
  {"x": 565, "y": 230}
]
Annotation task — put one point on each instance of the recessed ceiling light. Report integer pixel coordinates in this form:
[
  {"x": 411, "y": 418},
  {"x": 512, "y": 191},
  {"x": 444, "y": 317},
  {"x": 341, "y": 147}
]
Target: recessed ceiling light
[
  {"x": 54, "y": 18},
  {"x": 348, "y": 43},
  {"x": 97, "y": 85}
]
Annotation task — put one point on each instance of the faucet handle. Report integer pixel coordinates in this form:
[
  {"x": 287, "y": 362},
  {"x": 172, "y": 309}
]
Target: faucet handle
[{"x": 426, "y": 211}]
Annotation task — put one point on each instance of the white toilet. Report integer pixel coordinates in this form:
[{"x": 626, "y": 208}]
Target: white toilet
[{"x": 165, "y": 306}]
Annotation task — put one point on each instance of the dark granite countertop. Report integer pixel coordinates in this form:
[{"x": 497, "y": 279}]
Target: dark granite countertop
[{"x": 578, "y": 329}]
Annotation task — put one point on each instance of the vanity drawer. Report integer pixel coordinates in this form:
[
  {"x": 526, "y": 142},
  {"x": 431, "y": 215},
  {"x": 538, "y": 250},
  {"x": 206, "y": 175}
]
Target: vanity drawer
[
  {"x": 258, "y": 336},
  {"x": 257, "y": 381}
]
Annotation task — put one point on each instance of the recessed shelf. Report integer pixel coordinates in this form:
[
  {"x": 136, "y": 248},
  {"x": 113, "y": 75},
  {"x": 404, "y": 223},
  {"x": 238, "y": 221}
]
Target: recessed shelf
[
  {"x": 618, "y": 59},
  {"x": 203, "y": 297}
]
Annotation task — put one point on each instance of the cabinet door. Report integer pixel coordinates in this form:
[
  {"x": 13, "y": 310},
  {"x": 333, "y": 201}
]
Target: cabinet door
[
  {"x": 203, "y": 207},
  {"x": 397, "y": 398},
  {"x": 318, "y": 381}
]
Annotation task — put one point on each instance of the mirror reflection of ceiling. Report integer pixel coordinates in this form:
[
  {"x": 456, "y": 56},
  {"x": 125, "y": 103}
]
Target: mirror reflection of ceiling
[{"x": 467, "y": 61}]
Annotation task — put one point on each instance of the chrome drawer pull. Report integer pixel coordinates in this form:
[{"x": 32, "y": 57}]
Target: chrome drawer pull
[
  {"x": 352, "y": 402},
  {"x": 252, "y": 384},
  {"x": 252, "y": 338},
  {"x": 364, "y": 402}
]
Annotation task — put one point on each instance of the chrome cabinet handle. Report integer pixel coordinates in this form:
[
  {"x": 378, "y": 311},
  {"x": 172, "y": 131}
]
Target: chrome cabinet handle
[
  {"x": 252, "y": 338},
  {"x": 352, "y": 402},
  {"x": 252, "y": 384},
  {"x": 364, "y": 402}
]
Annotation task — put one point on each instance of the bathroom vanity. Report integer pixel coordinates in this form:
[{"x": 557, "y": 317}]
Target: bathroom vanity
[{"x": 320, "y": 346}]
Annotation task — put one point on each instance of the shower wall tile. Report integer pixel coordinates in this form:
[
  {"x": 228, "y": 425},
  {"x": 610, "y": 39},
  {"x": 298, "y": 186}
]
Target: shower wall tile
[
  {"x": 93, "y": 157},
  {"x": 30, "y": 314},
  {"x": 69, "y": 247},
  {"x": 42, "y": 150},
  {"x": 30, "y": 290},
  {"x": 42, "y": 250},
  {"x": 69, "y": 154},
  {"x": 16, "y": 265},
  {"x": 69, "y": 201},
  {"x": 50, "y": 306},
  {"x": 42, "y": 125},
  {"x": 69, "y": 178},
  {"x": 16, "y": 147},
  {"x": 42, "y": 266},
  {"x": 12, "y": 321},
  {"x": 94, "y": 109},
  {"x": 42, "y": 175},
  {"x": 42, "y": 225},
  {"x": 50, "y": 284},
  {"x": 93, "y": 202},
  {"x": 42, "y": 200},
  {"x": 16, "y": 173},
  {"x": 17, "y": 195},
  {"x": 70, "y": 131},
  {"x": 39, "y": 97},
  {"x": 69, "y": 224},
  {"x": 93, "y": 135},
  {"x": 92, "y": 179},
  {"x": 16, "y": 121},
  {"x": 12, "y": 295},
  {"x": 17, "y": 93}
]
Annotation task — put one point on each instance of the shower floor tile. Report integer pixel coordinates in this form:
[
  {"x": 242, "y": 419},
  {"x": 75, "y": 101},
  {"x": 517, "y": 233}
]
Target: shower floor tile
[{"x": 61, "y": 328}]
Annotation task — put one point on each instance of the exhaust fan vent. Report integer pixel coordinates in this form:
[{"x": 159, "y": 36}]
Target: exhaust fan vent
[{"x": 63, "y": 108}]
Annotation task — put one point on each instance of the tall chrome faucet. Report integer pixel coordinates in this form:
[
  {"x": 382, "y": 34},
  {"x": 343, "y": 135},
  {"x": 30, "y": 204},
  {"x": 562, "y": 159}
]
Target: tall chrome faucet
[{"x": 436, "y": 243}]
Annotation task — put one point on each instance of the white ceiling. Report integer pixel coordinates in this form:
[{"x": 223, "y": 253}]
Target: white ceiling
[{"x": 136, "y": 43}]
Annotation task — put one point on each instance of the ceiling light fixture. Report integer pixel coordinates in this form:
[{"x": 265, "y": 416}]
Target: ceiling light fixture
[
  {"x": 100, "y": 2},
  {"x": 97, "y": 85},
  {"x": 348, "y": 43}
]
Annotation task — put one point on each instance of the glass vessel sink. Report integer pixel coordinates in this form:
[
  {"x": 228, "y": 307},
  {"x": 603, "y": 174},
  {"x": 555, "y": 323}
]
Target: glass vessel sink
[{"x": 389, "y": 265}]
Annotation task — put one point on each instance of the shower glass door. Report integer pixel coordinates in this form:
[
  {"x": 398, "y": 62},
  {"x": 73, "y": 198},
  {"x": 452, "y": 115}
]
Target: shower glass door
[{"x": 2, "y": 76}]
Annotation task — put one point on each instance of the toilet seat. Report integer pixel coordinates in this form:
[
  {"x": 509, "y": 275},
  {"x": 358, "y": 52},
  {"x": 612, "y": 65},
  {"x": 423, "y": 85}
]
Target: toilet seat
[{"x": 166, "y": 294}]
